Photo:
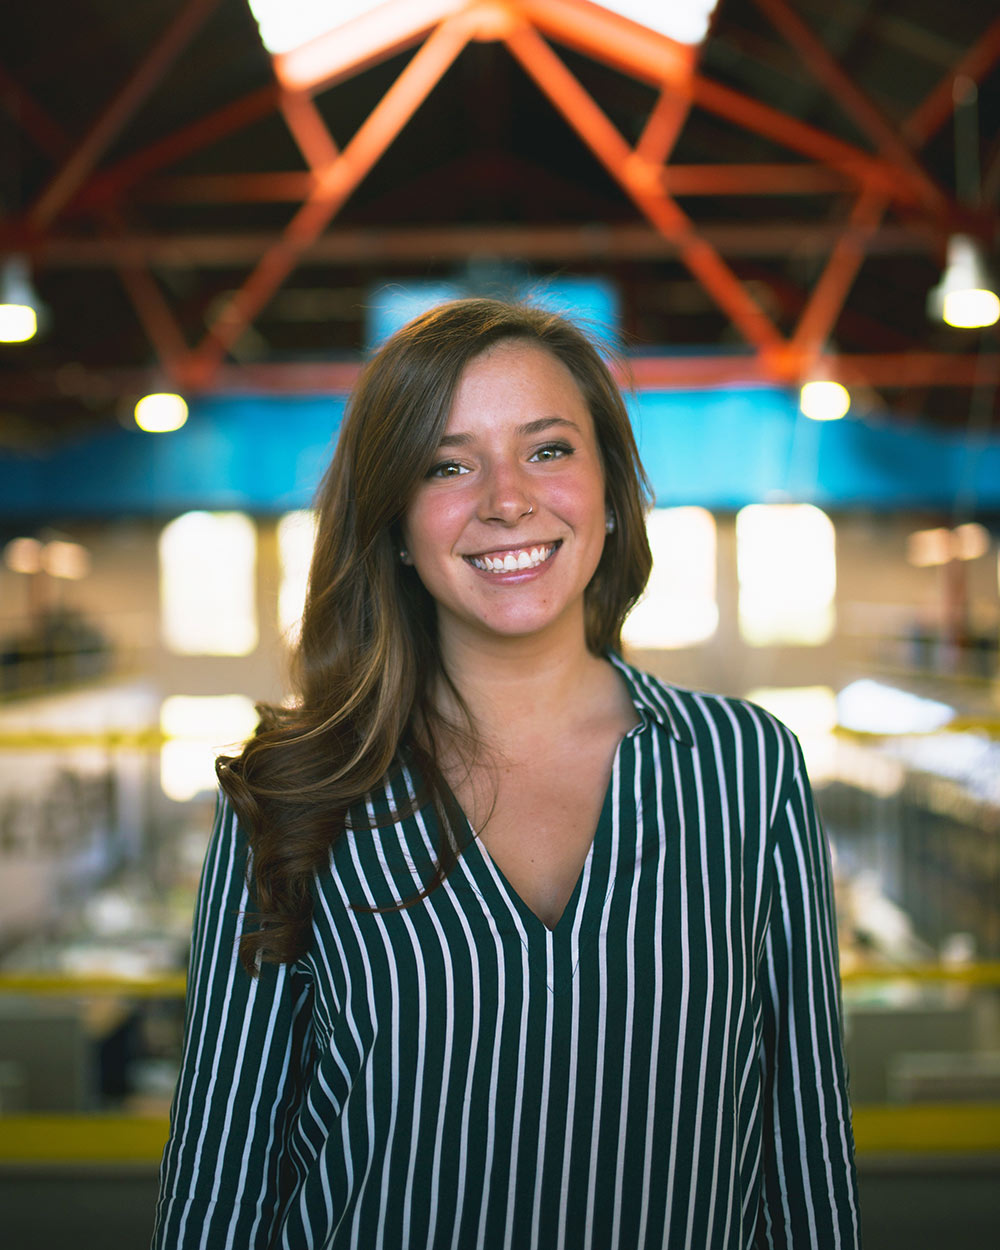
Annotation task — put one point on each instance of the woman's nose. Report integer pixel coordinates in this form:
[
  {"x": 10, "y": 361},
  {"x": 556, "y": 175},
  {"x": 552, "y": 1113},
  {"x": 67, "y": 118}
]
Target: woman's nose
[{"x": 507, "y": 495}]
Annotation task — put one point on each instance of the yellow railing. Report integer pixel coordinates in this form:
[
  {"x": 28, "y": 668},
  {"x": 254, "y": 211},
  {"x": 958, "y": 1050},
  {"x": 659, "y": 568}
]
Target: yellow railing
[
  {"x": 36, "y": 1138},
  {"x": 171, "y": 985},
  {"x": 918, "y": 1129}
]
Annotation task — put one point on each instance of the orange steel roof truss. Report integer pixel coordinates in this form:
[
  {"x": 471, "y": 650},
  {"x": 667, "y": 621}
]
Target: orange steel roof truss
[{"x": 439, "y": 29}]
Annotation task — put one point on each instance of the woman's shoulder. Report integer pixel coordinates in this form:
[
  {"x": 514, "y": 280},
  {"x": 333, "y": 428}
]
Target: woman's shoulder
[{"x": 708, "y": 720}]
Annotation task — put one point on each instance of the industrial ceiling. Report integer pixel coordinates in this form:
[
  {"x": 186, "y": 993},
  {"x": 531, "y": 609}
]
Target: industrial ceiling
[{"x": 201, "y": 215}]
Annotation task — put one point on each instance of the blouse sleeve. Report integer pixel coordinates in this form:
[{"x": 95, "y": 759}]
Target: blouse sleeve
[
  {"x": 226, "y": 1165},
  {"x": 809, "y": 1193}
]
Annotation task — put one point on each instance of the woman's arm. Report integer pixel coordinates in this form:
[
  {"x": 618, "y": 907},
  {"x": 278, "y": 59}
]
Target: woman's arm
[
  {"x": 809, "y": 1184},
  {"x": 225, "y": 1170}
]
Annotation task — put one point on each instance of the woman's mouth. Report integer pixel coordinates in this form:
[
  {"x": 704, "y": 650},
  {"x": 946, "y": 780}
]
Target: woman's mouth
[{"x": 513, "y": 559}]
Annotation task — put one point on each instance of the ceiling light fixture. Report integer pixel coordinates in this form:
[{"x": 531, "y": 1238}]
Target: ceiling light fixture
[
  {"x": 823, "y": 399},
  {"x": 19, "y": 302},
  {"x": 161, "y": 413},
  {"x": 966, "y": 295}
]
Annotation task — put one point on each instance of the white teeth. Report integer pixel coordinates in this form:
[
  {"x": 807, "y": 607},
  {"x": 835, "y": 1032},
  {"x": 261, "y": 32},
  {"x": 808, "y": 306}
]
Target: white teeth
[{"x": 512, "y": 562}]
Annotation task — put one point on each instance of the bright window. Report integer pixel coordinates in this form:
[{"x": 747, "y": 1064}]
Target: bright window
[
  {"x": 678, "y": 608},
  {"x": 197, "y": 728},
  {"x": 787, "y": 567},
  {"x": 296, "y": 537},
  {"x": 208, "y": 573}
]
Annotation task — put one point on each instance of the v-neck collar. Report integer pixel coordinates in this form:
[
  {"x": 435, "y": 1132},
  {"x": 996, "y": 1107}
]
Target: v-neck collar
[
  {"x": 555, "y": 950},
  {"x": 597, "y": 860},
  {"x": 558, "y": 948}
]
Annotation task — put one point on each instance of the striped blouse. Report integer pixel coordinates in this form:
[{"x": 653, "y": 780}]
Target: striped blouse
[{"x": 663, "y": 1068}]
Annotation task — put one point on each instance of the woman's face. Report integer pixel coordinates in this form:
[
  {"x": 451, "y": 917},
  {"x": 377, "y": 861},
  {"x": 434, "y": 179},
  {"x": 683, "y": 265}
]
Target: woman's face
[{"x": 508, "y": 527}]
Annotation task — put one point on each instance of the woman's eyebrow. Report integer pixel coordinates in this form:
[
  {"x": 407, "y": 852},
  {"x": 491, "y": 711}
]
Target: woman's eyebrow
[{"x": 531, "y": 427}]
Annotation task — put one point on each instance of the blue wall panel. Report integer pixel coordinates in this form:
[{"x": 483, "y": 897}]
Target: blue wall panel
[{"x": 721, "y": 448}]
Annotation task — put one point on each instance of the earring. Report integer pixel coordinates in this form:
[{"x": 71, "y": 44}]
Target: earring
[
  {"x": 404, "y": 556},
  {"x": 610, "y": 524}
]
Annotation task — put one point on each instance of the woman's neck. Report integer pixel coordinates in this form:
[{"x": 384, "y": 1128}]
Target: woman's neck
[{"x": 517, "y": 687}]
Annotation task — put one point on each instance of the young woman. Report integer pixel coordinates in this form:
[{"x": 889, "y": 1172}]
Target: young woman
[{"x": 501, "y": 943}]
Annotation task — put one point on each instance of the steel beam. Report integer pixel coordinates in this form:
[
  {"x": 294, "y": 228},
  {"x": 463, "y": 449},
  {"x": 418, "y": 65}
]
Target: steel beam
[
  {"x": 641, "y": 181},
  {"x": 155, "y": 316},
  {"x": 596, "y": 31},
  {"x": 663, "y": 126},
  {"x": 309, "y": 131},
  {"x": 827, "y": 298},
  {"x": 336, "y": 183},
  {"x": 886, "y": 371},
  {"x": 117, "y": 179},
  {"x": 558, "y": 243},
  {"x": 843, "y": 89},
  {"x": 147, "y": 75},
  {"x": 939, "y": 104},
  {"x": 286, "y": 186},
  {"x": 743, "y": 110},
  {"x": 279, "y": 187},
  {"x": 349, "y": 47},
  {"x": 151, "y": 308},
  {"x": 33, "y": 120}
]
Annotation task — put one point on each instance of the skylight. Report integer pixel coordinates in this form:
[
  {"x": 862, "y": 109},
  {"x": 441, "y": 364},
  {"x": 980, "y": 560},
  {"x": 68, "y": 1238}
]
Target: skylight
[{"x": 287, "y": 24}]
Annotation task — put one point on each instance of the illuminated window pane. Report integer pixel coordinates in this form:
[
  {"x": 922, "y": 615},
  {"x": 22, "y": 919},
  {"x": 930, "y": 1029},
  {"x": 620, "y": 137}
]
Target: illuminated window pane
[
  {"x": 208, "y": 573},
  {"x": 296, "y": 537},
  {"x": 678, "y": 608},
  {"x": 197, "y": 729},
  {"x": 787, "y": 565}
]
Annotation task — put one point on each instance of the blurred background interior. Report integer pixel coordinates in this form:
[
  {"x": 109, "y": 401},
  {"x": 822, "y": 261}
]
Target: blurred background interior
[{"x": 783, "y": 212}]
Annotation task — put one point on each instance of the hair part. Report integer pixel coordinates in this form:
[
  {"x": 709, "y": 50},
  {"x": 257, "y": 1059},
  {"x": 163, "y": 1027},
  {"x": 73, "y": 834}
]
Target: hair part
[{"x": 367, "y": 659}]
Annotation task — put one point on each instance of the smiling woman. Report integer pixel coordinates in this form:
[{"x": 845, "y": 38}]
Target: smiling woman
[
  {"x": 508, "y": 527},
  {"x": 500, "y": 942}
]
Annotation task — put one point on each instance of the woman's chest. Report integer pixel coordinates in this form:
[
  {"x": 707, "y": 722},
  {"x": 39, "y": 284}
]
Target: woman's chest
[{"x": 542, "y": 824}]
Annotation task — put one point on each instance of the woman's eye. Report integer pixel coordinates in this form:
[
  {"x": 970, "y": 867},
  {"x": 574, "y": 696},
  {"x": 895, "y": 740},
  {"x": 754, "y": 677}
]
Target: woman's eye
[
  {"x": 446, "y": 468},
  {"x": 553, "y": 451}
]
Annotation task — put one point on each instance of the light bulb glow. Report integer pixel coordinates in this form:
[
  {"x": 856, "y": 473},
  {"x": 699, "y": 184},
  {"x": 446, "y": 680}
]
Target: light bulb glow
[
  {"x": 65, "y": 559},
  {"x": 18, "y": 323},
  {"x": 971, "y": 309},
  {"x": 824, "y": 400},
  {"x": 23, "y": 555},
  {"x": 161, "y": 413}
]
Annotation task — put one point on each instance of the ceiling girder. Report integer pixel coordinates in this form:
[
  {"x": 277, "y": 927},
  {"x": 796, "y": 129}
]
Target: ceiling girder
[
  {"x": 364, "y": 245},
  {"x": 116, "y": 115},
  {"x": 846, "y": 92},
  {"x": 335, "y": 184},
  {"x": 885, "y": 371},
  {"x": 893, "y": 174}
]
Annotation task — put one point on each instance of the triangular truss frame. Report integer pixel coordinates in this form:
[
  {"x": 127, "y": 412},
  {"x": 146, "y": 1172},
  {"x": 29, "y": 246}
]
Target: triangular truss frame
[{"x": 890, "y": 174}]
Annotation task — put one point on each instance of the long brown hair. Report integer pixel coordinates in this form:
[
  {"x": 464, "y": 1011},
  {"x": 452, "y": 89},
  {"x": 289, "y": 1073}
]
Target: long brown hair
[{"x": 367, "y": 658}]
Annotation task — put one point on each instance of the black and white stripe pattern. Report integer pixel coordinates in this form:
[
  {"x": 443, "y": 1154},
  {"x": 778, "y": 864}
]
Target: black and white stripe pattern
[{"x": 662, "y": 1069}]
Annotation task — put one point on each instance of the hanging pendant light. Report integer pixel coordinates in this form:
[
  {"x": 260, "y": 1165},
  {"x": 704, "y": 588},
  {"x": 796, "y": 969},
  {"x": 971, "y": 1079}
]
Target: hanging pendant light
[
  {"x": 822, "y": 396},
  {"x": 161, "y": 412},
  {"x": 19, "y": 302},
  {"x": 966, "y": 296}
]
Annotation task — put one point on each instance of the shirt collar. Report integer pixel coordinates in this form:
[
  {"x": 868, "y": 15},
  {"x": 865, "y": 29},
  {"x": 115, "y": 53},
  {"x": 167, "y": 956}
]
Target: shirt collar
[{"x": 654, "y": 701}]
